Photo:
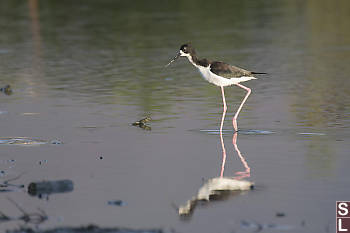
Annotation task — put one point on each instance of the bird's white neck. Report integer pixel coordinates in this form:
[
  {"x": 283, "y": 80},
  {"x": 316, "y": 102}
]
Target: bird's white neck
[{"x": 191, "y": 60}]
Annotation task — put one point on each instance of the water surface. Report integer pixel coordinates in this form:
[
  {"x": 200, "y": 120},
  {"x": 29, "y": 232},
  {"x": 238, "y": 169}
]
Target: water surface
[{"x": 83, "y": 71}]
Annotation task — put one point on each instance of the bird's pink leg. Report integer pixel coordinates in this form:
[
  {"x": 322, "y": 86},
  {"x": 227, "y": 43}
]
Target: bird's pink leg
[
  {"x": 221, "y": 137},
  {"x": 225, "y": 108},
  {"x": 234, "y": 120}
]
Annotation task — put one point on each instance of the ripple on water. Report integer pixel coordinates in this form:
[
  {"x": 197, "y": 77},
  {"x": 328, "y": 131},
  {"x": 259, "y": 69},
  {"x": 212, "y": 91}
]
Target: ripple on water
[
  {"x": 312, "y": 134},
  {"x": 23, "y": 141},
  {"x": 247, "y": 132}
]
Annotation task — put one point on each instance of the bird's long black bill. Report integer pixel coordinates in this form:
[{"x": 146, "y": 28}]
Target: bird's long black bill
[{"x": 176, "y": 57}]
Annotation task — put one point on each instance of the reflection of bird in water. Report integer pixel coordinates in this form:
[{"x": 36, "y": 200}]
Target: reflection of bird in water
[
  {"x": 240, "y": 175},
  {"x": 219, "y": 188},
  {"x": 214, "y": 189},
  {"x": 219, "y": 74}
]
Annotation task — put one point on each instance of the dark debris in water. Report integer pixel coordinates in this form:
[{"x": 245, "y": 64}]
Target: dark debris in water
[
  {"x": 28, "y": 218},
  {"x": 7, "y": 186},
  {"x": 56, "y": 142},
  {"x": 142, "y": 123},
  {"x": 86, "y": 229},
  {"x": 44, "y": 188},
  {"x": 41, "y": 162},
  {"x": 280, "y": 214},
  {"x": 117, "y": 203},
  {"x": 7, "y": 90}
]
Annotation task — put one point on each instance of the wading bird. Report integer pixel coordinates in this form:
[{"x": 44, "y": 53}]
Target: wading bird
[{"x": 219, "y": 74}]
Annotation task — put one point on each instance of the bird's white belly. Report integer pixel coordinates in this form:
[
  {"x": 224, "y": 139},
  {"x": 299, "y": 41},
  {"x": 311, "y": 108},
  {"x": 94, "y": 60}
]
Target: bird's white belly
[
  {"x": 217, "y": 80},
  {"x": 212, "y": 78}
]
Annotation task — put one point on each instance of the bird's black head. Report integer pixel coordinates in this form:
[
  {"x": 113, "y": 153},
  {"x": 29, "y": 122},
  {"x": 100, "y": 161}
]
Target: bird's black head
[{"x": 186, "y": 49}]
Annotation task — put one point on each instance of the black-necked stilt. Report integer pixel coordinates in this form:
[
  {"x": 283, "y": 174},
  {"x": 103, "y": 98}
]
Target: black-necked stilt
[{"x": 219, "y": 74}]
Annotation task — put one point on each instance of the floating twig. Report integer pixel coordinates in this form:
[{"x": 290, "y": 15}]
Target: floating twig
[
  {"x": 6, "y": 184},
  {"x": 33, "y": 218}
]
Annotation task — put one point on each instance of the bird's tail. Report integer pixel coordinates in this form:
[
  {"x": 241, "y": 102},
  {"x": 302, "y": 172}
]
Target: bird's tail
[{"x": 258, "y": 73}]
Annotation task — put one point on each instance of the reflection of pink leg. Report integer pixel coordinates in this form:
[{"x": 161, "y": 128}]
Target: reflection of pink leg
[
  {"x": 223, "y": 155},
  {"x": 246, "y": 173},
  {"x": 234, "y": 120},
  {"x": 221, "y": 138}
]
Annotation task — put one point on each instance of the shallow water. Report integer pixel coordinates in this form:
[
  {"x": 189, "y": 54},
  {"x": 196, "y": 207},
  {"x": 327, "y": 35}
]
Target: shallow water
[{"x": 83, "y": 71}]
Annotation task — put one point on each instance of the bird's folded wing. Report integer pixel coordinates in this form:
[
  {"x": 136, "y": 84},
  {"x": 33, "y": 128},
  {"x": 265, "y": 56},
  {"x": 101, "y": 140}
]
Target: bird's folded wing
[{"x": 227, "y": 71}]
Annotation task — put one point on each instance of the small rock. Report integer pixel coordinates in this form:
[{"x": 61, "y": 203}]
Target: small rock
[
  {"x": 41, "y": 162},
  {"x": 117, "y": 203},
  {"x": 56, "y": 142},
  {"x": 280, "y": 214}
]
